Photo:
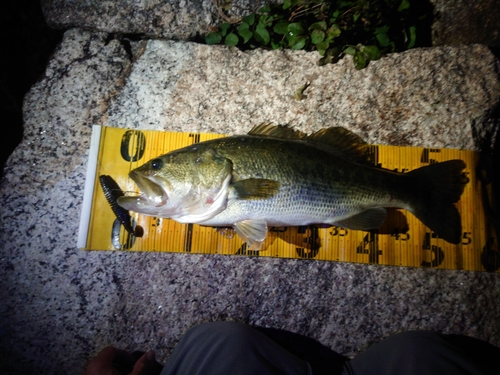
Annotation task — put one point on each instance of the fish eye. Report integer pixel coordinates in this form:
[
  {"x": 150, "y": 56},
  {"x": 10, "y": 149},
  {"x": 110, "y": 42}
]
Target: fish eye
[{"x": 156, "y": 164}]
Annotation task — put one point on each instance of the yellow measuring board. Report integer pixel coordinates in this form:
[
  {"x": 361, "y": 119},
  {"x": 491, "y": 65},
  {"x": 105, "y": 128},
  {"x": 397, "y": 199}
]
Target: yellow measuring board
[{"x": 402, "y": 241}]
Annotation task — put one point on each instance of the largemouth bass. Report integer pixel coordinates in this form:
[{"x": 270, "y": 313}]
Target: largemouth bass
[{"x": 275, "y": 176}]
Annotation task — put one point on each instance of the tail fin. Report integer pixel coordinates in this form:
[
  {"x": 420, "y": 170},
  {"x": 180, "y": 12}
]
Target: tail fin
[{"x": 440, "y": 186}]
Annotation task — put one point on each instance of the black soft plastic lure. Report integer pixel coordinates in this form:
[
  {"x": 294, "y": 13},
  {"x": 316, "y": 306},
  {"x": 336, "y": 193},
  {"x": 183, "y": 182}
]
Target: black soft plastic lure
[{"x": 112, "y": 192}]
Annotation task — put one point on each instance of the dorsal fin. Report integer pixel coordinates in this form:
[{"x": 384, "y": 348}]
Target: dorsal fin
[
  {"x": 340, "y": 139},
  {"x": 276, "y": 131},
  {"x": 336, "y": 139}
]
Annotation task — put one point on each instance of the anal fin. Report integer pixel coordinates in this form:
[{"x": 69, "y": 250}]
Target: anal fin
[{"x": 371, "y": 218}]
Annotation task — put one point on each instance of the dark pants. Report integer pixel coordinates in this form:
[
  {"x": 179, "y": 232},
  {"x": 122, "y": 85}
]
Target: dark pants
[
  {"x": 231, "y": 348},
  {"x": 423, "y": 352},
  {"x": 234, "y": 348}
]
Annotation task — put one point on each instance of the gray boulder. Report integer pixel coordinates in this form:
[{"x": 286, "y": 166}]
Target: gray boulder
[
  {"x": 154, "y": 19},
  {"x": 436, "y": 97},
  {"x": 455, "y": 22}
]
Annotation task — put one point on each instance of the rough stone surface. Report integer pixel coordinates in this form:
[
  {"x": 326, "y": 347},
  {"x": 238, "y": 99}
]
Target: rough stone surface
[
  {"x": 61, "y": 304},
  {"x": 436, "y": 97},
  {"x": 170, "y": 19},
  {"x": 455, "y": 22}
]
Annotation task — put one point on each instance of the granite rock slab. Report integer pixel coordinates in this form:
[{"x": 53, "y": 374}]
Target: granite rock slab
[
  {"x": 454, "y": 22},
  {"x": 433, "y": 97},
  {"x": 60, "y": 305},
  {"x": 170, "y": 19}
]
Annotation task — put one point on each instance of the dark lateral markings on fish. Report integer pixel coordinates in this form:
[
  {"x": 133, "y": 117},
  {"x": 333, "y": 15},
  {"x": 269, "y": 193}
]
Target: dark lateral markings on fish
[{"x": 276, "y": 176}]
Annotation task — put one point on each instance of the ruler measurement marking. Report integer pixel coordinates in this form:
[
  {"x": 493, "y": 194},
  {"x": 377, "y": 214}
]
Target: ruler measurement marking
[{"x": 411, "y": 246}]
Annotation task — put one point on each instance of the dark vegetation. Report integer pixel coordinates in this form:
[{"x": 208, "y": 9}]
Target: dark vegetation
[{"x": 365, "y": 29}]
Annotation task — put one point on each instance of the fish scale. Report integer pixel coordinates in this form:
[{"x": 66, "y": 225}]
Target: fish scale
[
  {"x": 312, "y": 187},
  {"x": 276, "y": 176}
]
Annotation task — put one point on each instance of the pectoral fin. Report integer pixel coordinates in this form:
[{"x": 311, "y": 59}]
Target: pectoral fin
[
  {"x": 371, "y": 218},
  {"x": 253, "y": 232},
  {"x": 256, "y": 188}
]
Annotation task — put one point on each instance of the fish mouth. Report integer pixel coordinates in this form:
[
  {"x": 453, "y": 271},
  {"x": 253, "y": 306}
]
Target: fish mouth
[{"x": 153, "y": 194}]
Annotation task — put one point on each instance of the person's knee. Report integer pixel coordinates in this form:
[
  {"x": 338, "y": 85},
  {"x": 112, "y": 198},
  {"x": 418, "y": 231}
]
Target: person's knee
[
  {"x": 413, "y": 345},
  {"x": 219, "y": 329},
  {"x": 416, "y": 336}
]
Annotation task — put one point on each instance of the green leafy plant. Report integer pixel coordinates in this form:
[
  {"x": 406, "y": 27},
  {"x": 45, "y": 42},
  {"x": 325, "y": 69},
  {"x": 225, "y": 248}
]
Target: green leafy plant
[{"x": 335, "y": 28}]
